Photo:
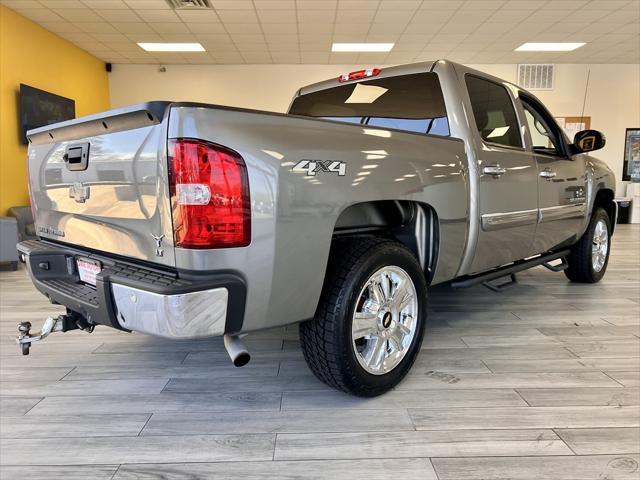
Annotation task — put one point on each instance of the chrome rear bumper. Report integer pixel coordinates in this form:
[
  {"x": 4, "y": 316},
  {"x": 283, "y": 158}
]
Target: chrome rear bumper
[{"x": 179, "y": 316}]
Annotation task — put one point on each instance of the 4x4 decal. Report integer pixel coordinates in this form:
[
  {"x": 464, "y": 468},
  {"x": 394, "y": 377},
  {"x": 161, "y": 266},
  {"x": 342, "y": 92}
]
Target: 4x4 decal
[{"x": 311, "y": 167}]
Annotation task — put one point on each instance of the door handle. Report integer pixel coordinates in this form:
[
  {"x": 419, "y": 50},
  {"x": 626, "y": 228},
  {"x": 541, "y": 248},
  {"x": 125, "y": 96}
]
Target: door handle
[
  {"x": 547, "y": 174},
  {"x": 496, "y": 171}
]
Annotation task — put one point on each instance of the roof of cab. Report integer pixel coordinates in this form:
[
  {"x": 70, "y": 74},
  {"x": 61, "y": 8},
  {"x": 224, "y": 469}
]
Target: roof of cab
[{"x": 385, "y": 72}]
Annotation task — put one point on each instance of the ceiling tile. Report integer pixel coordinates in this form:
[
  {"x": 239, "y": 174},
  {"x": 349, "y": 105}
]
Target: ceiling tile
[
  {"x": 198, "y": 16},
  {"x": 95, "y": 27},
  {"x": 166, "y": 16},
  {"x": 360, "y": 5},
  {"x": 53, "y": 4},
  {"x": 105, "y": 4},
  {"x": 21, "y": 4},
  {"x": 283, "y": 28},
  {"x": 178, "y": 37},
  {"x": 131, "y": 27},
  {"x": 240, "y": 28},
  {"x": 277, "y": 16},
  {"x": 355, "y": 16},
  {"x": 169, "y": 27},
  {"x": 232, "y": 4},
  {"x": 41, "y": 15},
  {"x": 56, "y": 27},
  {"x": 316, "y": 16},
  {"x": 78, "y": 15},
  {"x": 316, "y": 4},
  {"x": 148, "y": 4},
  {"x": 237, "y": 16},
  {"x": 118, "y": 15},
  {"x": 204, "y": 28},
  {"x": 275, "y": 4},
  {"x": 110, "y": 38},
  {"x": 399, "y": 4},
  {"x": 394, "y": 16}
]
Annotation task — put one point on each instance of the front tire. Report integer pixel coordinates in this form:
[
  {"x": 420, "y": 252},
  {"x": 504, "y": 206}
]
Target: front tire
[
  {"x": 589, "y": 257},
  {"x": 370, "y": 321}
]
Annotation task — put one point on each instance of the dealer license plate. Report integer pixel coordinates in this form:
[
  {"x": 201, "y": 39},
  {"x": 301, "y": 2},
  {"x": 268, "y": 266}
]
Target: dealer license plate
[{"x": 88, "y": 269}]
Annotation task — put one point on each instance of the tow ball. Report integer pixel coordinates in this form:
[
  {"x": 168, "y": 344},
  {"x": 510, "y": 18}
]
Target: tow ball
[{"x": 61, "y": 323}]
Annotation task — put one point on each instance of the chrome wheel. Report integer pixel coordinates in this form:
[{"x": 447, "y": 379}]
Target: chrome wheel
[
  {"x": 385, "y": 320},
  {"x": 600, "y": 246}
]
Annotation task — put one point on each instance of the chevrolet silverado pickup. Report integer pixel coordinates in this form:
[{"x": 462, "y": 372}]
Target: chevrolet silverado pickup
[{"x": 188, "y": 220}]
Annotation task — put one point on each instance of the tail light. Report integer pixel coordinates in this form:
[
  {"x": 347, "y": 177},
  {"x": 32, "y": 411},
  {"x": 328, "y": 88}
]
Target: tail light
[
  {"x": 359, "y": 75},
  {"x": 209, "y": 195}
]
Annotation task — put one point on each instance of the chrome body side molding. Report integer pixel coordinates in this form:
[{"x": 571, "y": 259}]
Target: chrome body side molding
[{"x": 497, "y": 221}]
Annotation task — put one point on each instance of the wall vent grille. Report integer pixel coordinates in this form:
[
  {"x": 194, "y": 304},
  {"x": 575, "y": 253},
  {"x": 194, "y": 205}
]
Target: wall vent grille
[
  {"x": 536, "y": 76},
  {"x": 189, "y": 4}
]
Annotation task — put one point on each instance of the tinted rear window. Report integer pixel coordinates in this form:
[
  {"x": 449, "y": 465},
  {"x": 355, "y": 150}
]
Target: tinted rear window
[{"x": 409, "y": 102}]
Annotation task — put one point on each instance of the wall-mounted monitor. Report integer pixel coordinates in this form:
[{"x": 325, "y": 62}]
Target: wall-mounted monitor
[{"x": 39, "y": 108}]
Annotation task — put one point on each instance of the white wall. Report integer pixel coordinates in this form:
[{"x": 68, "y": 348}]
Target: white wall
[{"x": 613, "y": 96}]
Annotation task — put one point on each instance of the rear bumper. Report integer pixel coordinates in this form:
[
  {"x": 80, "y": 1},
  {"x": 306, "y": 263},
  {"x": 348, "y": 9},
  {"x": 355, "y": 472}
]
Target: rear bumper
[{"x": 134, "y": 297}]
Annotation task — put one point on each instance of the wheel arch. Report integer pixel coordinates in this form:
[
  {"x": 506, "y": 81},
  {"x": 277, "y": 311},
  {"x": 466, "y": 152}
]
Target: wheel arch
[
  {"x": 414, "y": 224},
  {"x": 604, "y": 199}
]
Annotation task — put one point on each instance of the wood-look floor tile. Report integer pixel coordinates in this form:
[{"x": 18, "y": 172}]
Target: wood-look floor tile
[
  {"x": 597, "y": 467},
  {"x": 600, "y": 441}
]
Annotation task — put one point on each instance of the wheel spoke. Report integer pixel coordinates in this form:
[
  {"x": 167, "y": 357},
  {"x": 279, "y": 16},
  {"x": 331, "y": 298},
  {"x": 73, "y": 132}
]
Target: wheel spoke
[
  {"x": 393, "y": 359},
  {"x": 375, "y": 290},
  {"x": 375, "y": 355},
  {"x": 404, "y": 329},
  {"x": 364, "y": 323},
  {"x": 396, "y": 340},
  {"x": 385, "y": 287},
  {"x": 400, "y": 294}
]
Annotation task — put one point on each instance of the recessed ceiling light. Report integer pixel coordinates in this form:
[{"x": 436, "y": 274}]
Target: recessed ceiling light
[
  {"x": 362, "y": 47},
  {"x": 172, "y": 47},
  {"x": 549, "y": 47}
]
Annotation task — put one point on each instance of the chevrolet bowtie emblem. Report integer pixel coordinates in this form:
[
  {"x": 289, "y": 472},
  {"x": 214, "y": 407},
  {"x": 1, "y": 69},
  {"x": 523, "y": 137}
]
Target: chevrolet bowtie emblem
[{"x": 79, "y": 192}]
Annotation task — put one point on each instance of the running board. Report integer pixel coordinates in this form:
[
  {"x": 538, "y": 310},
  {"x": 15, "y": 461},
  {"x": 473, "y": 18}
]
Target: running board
[{"x": 508, "y": 270}]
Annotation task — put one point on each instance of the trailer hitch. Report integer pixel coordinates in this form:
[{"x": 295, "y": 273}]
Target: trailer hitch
[{"x": 61, "y": 323}]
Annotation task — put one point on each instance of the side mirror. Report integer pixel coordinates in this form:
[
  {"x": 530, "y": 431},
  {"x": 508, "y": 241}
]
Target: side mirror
[{"x": 589, "y": 140}]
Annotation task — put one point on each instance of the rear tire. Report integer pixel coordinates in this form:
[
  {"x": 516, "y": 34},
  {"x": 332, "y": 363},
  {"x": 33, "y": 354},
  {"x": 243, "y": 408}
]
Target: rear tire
[
  {"x": 589, "y": 257},
  {"x": 370, "y": 321}
]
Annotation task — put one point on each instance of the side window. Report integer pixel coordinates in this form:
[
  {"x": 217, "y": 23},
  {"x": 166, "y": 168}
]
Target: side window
[
  {"x": 544, "y": 133},
  {"x": 493, "y": 110}
]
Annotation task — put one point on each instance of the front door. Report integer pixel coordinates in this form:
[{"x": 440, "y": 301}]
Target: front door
[
  {"x": 562, "y": 182},
  {"x": 508, "y": 192}
]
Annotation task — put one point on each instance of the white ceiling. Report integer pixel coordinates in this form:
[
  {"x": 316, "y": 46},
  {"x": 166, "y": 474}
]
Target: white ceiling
[{"x": 301, "y": 31}]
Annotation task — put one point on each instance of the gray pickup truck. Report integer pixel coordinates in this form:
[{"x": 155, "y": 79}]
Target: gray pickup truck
[{"x": 189, "y": 220}]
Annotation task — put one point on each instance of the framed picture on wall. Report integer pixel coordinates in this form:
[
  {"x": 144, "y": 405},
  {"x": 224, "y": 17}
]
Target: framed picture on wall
[
  {"x": 573, "y": 125},
  {"x": 631, "y": 163}
]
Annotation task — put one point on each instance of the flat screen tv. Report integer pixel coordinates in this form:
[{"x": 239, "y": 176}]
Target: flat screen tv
[{"x": 39, "y": 108}]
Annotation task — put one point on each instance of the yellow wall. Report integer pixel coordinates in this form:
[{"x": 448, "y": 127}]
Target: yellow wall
[{"x": 32, "y": 55}]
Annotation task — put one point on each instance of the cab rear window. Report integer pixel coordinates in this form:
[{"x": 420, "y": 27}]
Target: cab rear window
[{"x": 413, "y": 103}]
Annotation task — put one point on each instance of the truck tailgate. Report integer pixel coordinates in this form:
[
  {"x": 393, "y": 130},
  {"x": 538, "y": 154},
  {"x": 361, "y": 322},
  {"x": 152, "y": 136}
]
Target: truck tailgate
[{"x": 100, "y": 182}]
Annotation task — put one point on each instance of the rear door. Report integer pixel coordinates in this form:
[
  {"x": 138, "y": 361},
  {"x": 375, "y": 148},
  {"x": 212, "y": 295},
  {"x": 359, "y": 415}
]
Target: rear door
[
  {"x": 562, "y": 181},
  {"x": 508, "y": 191},
  {"x": 100, "y": 182}
]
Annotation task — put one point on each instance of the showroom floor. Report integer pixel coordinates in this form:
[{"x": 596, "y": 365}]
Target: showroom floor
[{"x": 540, "y": 382}]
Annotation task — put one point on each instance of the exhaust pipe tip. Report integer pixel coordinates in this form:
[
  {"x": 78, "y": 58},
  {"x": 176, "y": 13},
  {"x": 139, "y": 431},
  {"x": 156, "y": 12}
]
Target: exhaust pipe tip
[
  {"x": 237, "y": 350},
  {"x": 242, "y": 359}
]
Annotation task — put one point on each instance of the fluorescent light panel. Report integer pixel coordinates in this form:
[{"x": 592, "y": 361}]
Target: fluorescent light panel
[
  {"x": 549, "y": 47},
  {"x": 172, "y": 47},
  {"x": 362, "y": 47}
]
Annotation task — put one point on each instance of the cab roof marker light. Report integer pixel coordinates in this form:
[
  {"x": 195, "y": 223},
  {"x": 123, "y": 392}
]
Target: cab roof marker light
[{"x": 359, "y": 75}]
